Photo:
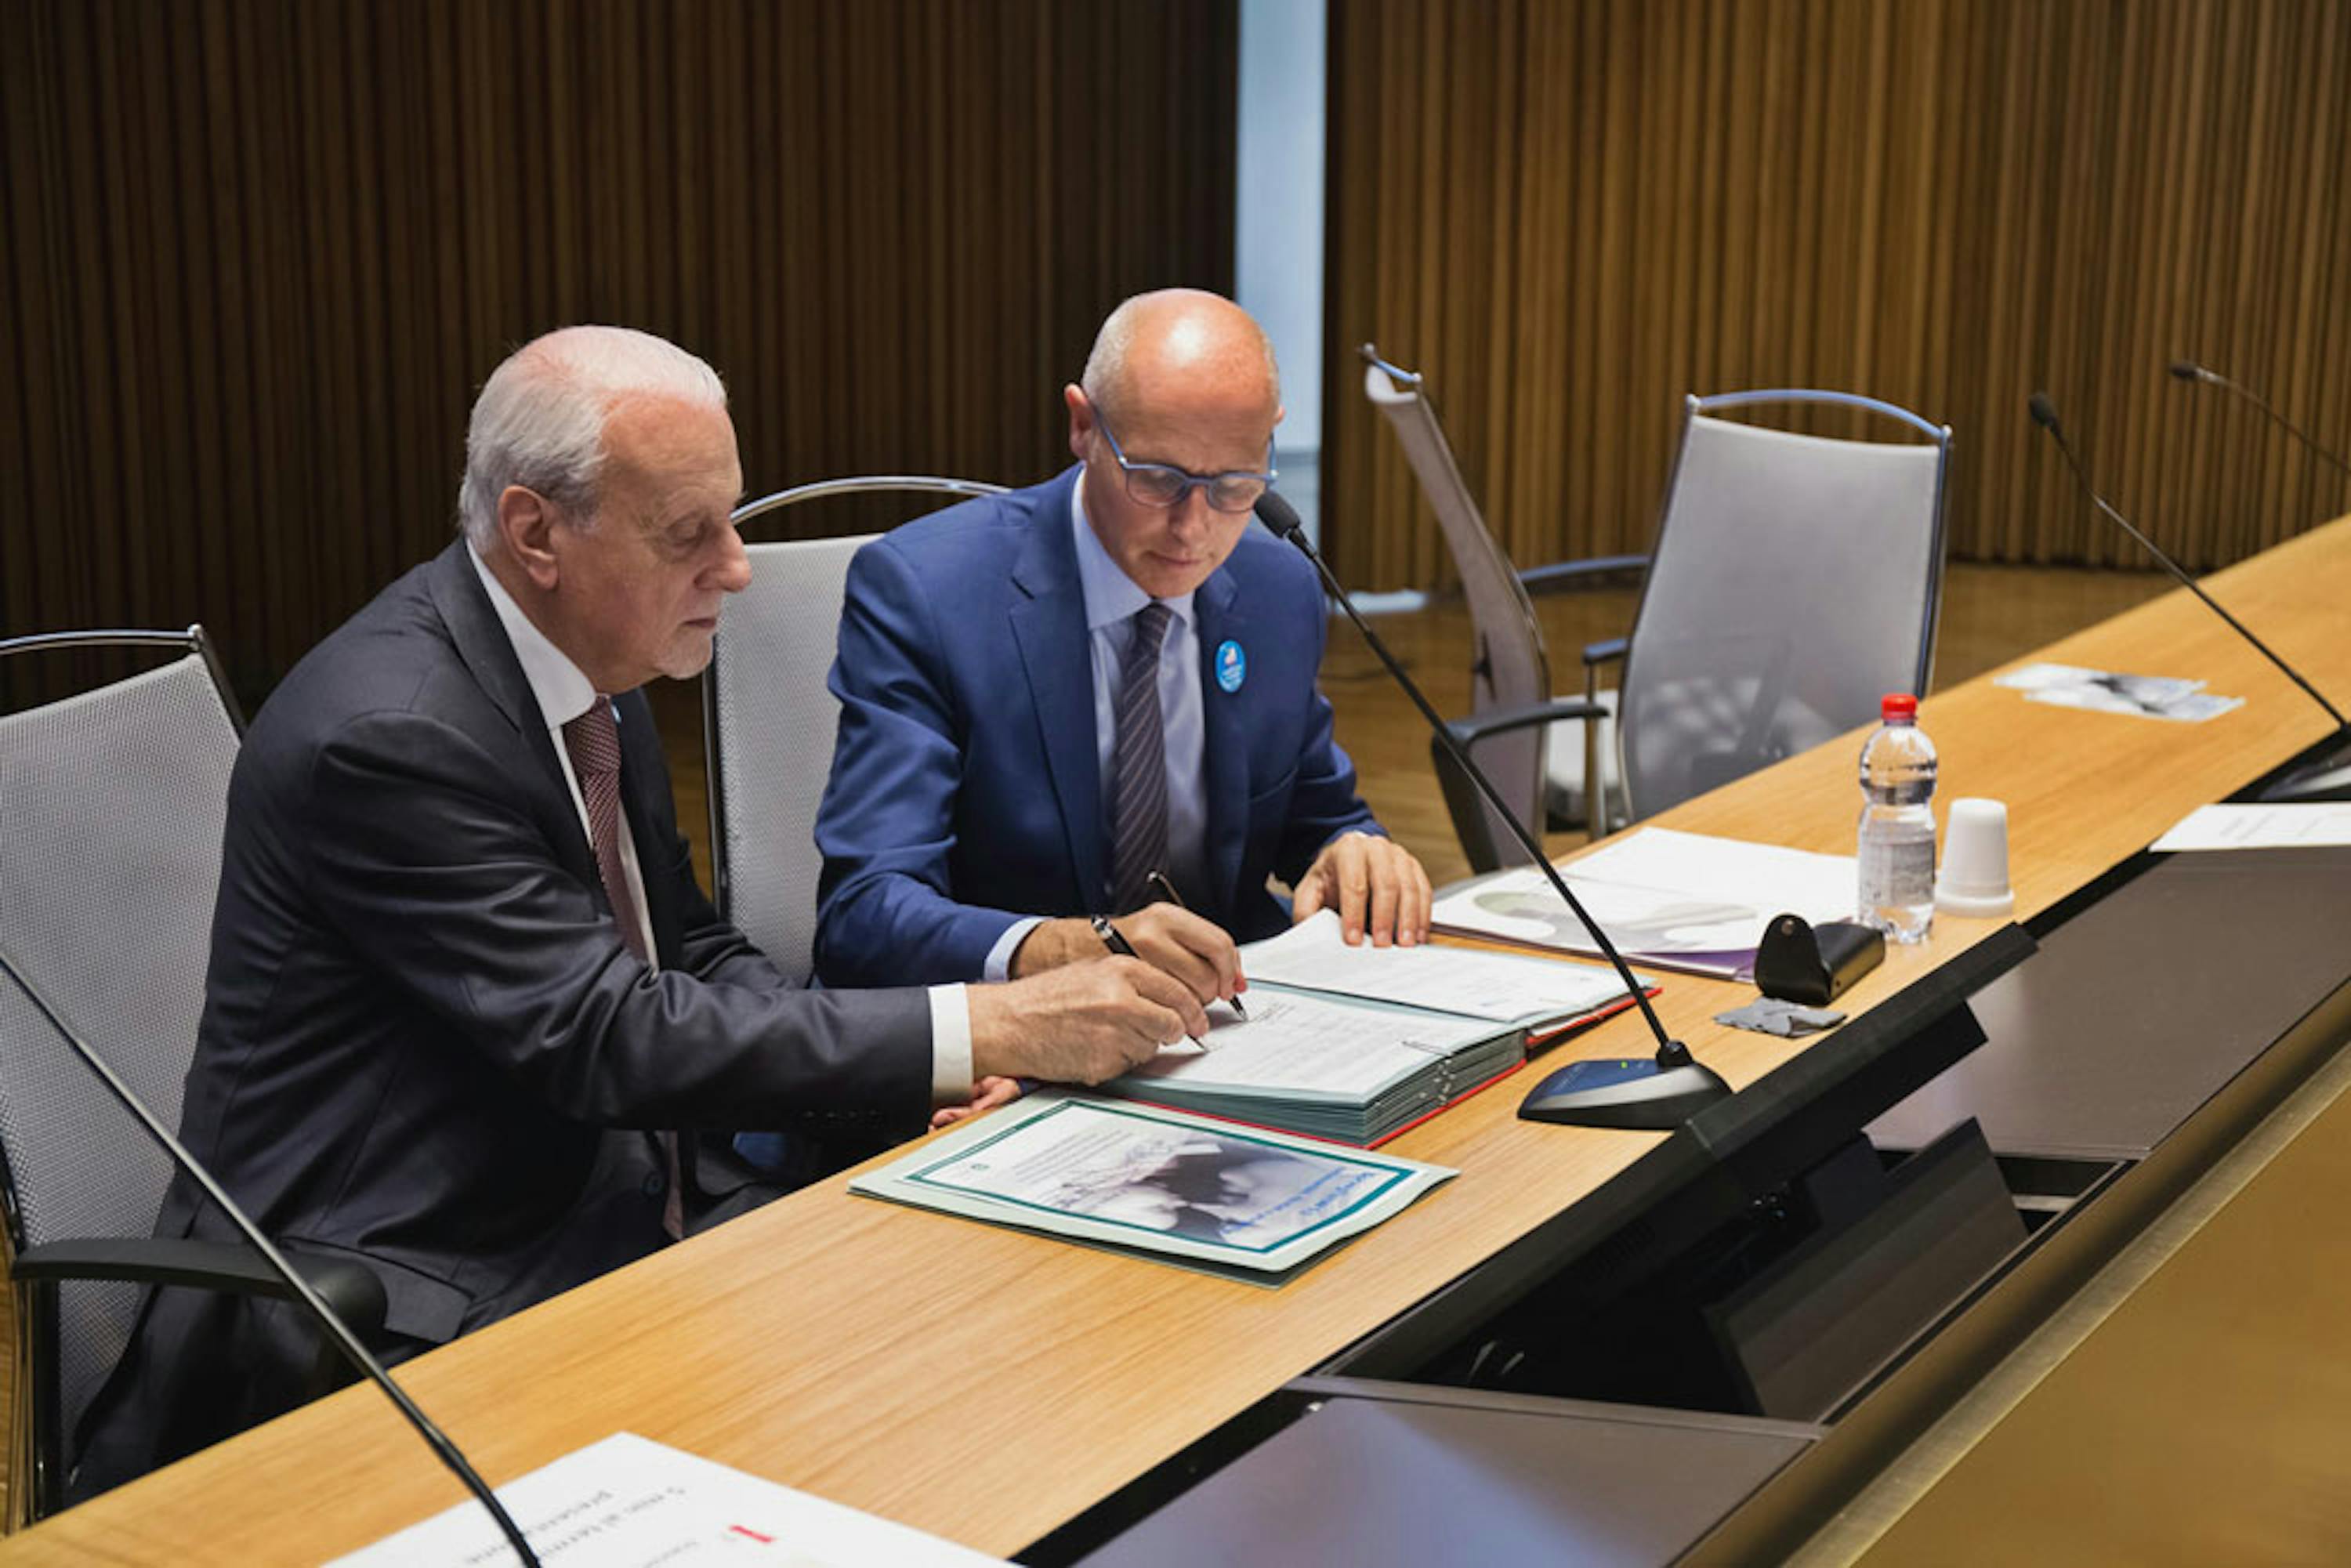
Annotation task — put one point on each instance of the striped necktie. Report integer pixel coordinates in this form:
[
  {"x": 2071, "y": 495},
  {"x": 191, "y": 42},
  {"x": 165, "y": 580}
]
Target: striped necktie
[{"x": 1139, "y": 765}]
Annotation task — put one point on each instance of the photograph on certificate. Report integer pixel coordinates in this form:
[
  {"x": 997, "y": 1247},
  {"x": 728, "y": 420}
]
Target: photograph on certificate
[{"x": 1160, "y": 1180}]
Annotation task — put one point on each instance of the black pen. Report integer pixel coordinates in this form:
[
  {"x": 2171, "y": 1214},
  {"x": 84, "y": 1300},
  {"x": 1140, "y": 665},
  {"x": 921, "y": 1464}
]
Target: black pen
[{"x": 1158, "y": 879}]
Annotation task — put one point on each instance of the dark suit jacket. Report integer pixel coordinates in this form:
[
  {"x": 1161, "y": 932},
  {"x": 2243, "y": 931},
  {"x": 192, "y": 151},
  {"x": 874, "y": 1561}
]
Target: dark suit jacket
[
  {"x": 965, "y": 791},
  {"x": 424, "y": 1042}
]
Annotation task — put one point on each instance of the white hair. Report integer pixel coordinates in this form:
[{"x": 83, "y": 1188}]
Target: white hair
[
  {"x": 539, "y": 419},
  {"x": 1105, "y": 372}
]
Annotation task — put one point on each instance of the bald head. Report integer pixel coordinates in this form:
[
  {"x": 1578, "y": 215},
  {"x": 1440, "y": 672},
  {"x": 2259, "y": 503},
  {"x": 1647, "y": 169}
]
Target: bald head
[
  {"x": 1178, "y": 380},
  {"x": 1180, "y": 341}
]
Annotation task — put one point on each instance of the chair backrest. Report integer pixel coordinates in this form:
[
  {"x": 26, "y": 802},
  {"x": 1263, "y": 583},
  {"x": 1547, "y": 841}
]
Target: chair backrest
[
  {"x": 1511, "y": 666},
  {"x": 768, "y": 721},
  {"x": 1794, "y": 581},
  {"x": 111, "y": 809}
]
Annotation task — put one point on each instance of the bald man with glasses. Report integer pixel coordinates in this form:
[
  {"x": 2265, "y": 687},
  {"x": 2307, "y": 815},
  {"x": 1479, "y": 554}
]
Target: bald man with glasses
[{"x": 1085, "y": 713}]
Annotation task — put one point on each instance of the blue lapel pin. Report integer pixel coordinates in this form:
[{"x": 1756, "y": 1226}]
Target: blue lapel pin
[{"x": 1232, "y": 666}]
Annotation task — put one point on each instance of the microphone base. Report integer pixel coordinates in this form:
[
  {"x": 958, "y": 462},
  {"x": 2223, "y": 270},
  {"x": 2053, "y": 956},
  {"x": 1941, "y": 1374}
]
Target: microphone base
[{"x": 1622, "y": 1091}]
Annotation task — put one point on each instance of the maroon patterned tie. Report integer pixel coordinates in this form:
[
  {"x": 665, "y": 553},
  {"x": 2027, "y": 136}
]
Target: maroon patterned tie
[{"x": 593, "y": 739}]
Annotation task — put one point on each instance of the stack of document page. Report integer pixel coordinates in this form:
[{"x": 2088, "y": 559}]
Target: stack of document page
[
  {"x": 1353, "y": 1071},
  {"x": 1141, "y": 1179},
  {"x": 1355, "y": 1044},
  {"x": 1681, "y": 901}
]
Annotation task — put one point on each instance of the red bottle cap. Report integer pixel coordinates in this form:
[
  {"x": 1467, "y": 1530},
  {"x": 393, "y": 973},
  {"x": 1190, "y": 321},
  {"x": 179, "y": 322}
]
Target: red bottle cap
[{"x": 1898, "y": 706}]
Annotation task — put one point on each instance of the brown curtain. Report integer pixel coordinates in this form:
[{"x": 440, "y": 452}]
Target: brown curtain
[
  {"x": 1570, "y": 215},
  {"x": 256, "y": 258}
]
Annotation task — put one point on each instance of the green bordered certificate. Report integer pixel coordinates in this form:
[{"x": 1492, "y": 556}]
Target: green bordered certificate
[{"x": 1155, "y": 1181}]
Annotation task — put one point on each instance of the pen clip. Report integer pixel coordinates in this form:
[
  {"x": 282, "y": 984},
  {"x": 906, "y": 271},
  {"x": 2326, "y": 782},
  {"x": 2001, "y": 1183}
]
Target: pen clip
[{"x": 1110, "y": 937}]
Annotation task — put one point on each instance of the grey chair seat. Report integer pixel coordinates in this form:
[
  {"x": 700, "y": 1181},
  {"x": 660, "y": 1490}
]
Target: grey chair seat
[
  {"x": 1566, "y": 797},
  {"x": 109, "y": 856},
  {"x": 1795, "y": 579},
  {"x": 769, "y": 721}
]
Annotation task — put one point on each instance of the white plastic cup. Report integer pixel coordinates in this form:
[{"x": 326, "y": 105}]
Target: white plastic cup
[{"x": 1974, "y": 880}]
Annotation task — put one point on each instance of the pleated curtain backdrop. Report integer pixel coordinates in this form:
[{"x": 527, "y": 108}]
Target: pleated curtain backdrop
[
  {"x": 255, "y": 256},
  {"x": 1571, "y": 215}
]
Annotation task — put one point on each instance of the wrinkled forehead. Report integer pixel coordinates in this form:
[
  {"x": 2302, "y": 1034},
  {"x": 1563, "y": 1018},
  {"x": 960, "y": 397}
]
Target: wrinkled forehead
[{"x": 654, "y": 431}]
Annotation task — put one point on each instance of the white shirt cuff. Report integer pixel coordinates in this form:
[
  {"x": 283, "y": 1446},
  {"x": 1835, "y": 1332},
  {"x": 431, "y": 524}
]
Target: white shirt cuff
[
  {"x": 950, "y": 1046},
  {"x": 1000, "y": 958}
]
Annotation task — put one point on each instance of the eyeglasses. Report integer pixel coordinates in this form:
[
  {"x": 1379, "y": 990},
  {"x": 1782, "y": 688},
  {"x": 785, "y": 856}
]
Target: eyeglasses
[{"x": 1165, "y": 484}]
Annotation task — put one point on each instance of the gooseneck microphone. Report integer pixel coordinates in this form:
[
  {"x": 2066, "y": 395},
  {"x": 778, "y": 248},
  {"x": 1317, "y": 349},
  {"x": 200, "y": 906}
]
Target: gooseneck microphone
[
  {"x": 1655, "y": 1097},
  {"x": 2191, "y": 371},
  {"x": 2307, "y": 785},
  {"x": 324, "y": 1315}
]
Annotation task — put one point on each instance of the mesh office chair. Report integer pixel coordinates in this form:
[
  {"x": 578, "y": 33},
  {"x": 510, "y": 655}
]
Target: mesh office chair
[
  {"x": 1795, "y": 579},
  {"x": 109, "y": 856},
  {"x": 1543, "y": 771},
  {"x": 768, "y": 721}
]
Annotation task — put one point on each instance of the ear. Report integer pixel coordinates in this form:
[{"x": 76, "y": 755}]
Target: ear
[
  {"x": 527, "y": 522},
  {"x": 1081, "y": 419}
]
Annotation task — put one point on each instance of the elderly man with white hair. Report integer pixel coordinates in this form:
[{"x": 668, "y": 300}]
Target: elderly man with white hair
[{"x": 467, "y": 1011}]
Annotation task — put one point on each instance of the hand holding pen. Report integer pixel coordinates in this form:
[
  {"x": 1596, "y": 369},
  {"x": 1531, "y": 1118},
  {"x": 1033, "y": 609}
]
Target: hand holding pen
[
  {"x": 1180, "y": 945},
  {"x": 1121, "y": 947},
  {"x": 1167, "y": 890}
]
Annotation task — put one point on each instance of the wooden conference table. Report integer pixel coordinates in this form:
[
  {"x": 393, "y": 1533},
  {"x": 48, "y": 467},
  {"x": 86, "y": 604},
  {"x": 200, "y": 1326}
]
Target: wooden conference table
[{"x": 990, "y": 1386}]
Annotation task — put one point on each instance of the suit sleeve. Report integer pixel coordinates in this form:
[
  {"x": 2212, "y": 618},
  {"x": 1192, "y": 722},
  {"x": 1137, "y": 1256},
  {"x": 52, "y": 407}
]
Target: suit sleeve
[
  {"x": 886, "y": 829},
  {"x": 1322, "y": 802},
  {"x": 421, "y": 854}
]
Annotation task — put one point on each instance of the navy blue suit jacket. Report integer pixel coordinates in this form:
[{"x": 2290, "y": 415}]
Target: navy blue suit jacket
[{"x": 965, "y": 790}]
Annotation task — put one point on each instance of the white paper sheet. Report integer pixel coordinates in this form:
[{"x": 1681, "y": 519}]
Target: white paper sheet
[
  {"x": 2259, "y": 826},
  {"x": 1681, "y": 900},
  {"x": 2173, "y": 697},
  {"x": 630, "y": 1502},
  {"x": 1501, "y": 987}
]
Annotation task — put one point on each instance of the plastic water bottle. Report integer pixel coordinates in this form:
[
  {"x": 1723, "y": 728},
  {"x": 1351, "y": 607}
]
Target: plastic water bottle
[{"x": 1897, "y": 847}]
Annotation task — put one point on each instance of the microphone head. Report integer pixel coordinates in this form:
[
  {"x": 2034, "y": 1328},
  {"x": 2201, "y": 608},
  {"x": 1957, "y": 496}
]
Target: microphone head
[
  {"x": 2043, "y": 410},
  {"x": 1275, "y": 511},
  {"x": 2189, "y": 370}
]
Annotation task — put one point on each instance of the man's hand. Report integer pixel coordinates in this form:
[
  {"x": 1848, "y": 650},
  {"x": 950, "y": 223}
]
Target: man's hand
[
  {"x": 1375, "y": 883},
  {"x": 986, "y": 1095},
  {"x": 1171, "y": 939},
  {"x": 1083, "y": 1023}
]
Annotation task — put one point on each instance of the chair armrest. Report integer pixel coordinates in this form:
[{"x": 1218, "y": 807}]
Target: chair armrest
[
  {"x": 1472, "y": 824},
  {"x": 350, "y": 1288},
  {"x": 1577, "y": 573},
  {"x": 1483, "y": 726},
  {"x": 1608, "y": 650}
]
